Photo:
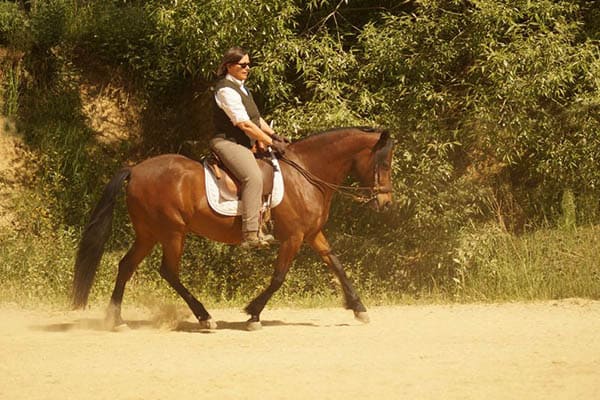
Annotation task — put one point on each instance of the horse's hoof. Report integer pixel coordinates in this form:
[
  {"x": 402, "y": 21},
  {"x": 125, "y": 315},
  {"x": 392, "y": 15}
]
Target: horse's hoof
[
  {"x": 115, "y": 324},
  {"x": 253, "y": 326},
  {"x": 208, "y": 324},
  {"x": 121, "y": 328},
  {"x": 362, "y": 316}
]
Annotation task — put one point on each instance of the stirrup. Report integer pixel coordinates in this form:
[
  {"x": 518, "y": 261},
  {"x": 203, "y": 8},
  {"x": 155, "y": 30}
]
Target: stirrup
[
  {"x": 267, "y": 237},
  {"x": 254, "y": 244},
  {"x": 253, "y": 240}
]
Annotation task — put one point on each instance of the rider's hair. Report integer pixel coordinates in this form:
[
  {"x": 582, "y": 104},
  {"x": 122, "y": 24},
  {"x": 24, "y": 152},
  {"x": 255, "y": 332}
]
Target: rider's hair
[{"x": 231, "y": 56}]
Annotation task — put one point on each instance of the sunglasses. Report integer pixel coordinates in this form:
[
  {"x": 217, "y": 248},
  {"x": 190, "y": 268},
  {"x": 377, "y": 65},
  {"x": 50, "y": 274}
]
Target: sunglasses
[{"x": 244, "y": 65}]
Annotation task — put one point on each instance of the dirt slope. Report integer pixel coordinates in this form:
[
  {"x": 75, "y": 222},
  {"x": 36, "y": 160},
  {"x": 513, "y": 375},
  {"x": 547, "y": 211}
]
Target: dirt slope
[
  {"x": 509, "y": 351},
  {"x": 9, "y": 162}
]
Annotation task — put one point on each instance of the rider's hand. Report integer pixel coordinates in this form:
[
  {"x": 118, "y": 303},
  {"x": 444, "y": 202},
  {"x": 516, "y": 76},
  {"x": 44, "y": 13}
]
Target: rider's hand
[
  {"x": 278, "y": 138},
  {"x": 279, "y": 147},
  {"x": 260, "y": 146}
]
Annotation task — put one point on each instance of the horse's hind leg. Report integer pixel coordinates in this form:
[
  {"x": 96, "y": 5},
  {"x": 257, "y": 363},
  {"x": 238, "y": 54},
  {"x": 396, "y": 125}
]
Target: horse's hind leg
[
  {"x": 128, "y": 264},
  {"x": 320, "y": 245},
  {"x": 169, "y": 270}
]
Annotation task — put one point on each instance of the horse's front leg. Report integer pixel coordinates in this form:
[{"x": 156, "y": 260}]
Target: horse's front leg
[
  {"x": 287, "y": 251},
  {"x": 320, "y": 245}
]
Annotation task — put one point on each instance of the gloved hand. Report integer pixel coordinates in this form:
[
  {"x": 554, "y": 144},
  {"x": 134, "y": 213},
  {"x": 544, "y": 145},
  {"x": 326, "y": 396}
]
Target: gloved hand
[
  {"x": 279, "y": 146},
  {"x": 278, "y": 138}
]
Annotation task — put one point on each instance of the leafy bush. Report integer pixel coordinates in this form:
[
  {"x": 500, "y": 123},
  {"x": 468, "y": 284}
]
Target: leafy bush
[
  {"x": 498, "y": 84},
  {"x": 493, "y": 105},
  {"x": 48, "y": 23},
  {"x": 13, "y": 25}
]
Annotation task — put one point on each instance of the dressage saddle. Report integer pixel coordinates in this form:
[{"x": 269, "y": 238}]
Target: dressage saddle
[{"x": 229, "y": 184}]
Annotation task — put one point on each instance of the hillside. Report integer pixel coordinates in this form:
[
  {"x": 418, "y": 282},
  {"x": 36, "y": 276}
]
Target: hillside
[{"x": 10, "y": 163}]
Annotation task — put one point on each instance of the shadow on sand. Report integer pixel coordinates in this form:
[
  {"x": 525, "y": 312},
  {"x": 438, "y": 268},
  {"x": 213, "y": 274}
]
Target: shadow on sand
[
  {"x": 98, "y": 324},
  {"x": 187, "y": 326},
  {"x": 90, "y": 324}
]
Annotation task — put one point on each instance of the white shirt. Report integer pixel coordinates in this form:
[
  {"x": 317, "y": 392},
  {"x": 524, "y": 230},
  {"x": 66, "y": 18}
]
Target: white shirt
[{"x": 230, "y": 101}]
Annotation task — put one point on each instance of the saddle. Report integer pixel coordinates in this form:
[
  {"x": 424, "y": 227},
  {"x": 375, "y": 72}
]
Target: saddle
[
  {"x": 229, "y": 185},
  {"x": 223, "y": 189}
]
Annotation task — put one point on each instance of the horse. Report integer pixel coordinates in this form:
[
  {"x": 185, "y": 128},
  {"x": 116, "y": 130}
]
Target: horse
[{"x": 166, "y": 200}]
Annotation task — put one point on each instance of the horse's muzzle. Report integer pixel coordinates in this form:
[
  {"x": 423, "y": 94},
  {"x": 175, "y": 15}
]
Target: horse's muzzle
[{"x": 381, "y": 202}]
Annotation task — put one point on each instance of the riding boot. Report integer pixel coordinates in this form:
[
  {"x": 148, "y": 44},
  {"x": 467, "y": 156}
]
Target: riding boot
[
  {"x": 251, "y": 240},
  {"x": 266, "y": 225},
  {"x": 264, "y": 236},
  {"x": 267, "y": 237}
]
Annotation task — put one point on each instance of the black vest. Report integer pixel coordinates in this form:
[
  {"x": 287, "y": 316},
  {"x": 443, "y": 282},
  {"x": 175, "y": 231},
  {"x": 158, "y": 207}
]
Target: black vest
[{"x": 221, "y": 121}]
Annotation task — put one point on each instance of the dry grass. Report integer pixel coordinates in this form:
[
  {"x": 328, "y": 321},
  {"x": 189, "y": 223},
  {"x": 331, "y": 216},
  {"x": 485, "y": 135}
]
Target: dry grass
[
  {"x": 9, "y": 164},
  {"x": 111, "y": 110}
]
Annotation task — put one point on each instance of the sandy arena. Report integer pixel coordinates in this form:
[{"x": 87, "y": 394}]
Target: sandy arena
[{"x": 547, "y": 350}]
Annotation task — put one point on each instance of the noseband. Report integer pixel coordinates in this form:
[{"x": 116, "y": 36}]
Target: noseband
[{"x": 380, "y": 189}]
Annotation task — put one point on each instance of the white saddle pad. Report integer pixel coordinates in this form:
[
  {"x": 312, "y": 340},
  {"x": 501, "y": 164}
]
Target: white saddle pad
[{"x": 225, "y": 202}]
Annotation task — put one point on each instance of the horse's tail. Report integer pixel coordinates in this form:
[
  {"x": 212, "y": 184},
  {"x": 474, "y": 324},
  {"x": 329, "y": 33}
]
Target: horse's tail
[{"x": 95, "y": 236}]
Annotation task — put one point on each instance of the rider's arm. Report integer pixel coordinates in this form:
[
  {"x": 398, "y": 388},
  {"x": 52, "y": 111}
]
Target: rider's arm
[
  {"x": 266, "y": 127},
  {"x": 230, "y": 101},
  {"x": 254, "y": 132}
]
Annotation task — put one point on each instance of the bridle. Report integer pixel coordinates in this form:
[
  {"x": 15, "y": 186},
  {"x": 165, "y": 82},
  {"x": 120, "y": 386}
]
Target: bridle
[{"x": 354, "y": 192}]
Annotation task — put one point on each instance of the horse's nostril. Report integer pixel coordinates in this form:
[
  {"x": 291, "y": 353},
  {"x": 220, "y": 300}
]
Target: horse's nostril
[{"x": 383, "y": 203}]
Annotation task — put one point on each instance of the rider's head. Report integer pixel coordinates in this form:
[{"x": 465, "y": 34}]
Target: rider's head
[{"x": 235, "y": 62}]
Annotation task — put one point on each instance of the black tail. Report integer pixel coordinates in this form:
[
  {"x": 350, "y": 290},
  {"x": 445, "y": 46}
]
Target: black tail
[{"x": 94, "y": 238}]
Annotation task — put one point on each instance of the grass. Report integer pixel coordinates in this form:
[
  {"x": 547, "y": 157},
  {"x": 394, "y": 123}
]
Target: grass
[
  {"x": 489, "y": 266},
  {"x": 10, "y": 89},
  {"x": 541, "y": 265}
]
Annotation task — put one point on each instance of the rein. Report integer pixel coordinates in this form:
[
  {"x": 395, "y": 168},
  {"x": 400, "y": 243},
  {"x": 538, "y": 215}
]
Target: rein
[{"x": 348, "y": 191}]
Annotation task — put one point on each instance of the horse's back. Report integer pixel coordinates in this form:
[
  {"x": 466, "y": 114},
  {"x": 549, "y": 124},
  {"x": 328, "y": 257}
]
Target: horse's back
[
  {"x": 168, "y": 185},
  {"x": 165, "y": 163}
]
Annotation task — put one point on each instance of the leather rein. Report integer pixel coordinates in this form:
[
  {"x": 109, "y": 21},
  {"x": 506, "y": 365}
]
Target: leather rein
[{"x": 349, "y": 191}]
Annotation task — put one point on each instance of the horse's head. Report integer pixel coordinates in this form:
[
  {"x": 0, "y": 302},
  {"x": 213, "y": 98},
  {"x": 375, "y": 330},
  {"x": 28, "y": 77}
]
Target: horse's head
[{"x": 374, "y": 169}]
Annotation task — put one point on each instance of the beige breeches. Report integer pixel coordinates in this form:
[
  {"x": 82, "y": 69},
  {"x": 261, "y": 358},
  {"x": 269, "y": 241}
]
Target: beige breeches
[{"x": 241, "y": 162}]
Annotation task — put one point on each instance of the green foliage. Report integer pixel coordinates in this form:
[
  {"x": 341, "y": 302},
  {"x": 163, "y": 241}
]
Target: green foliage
[
  {"x": 164, "y": 44},
  {"x": 13, "y": 25},
  {"x": 118, "y": 34},
  {"x": 493, "y": 104},
  {"x": 48, "y": 23},
  {"x": 510, "y": 83},
  {"x": 196, "y": 34},
  {"x": 10, "y": 90},
  {"x": 36, "y": 258},
  {"x": 56, "y": 130}
]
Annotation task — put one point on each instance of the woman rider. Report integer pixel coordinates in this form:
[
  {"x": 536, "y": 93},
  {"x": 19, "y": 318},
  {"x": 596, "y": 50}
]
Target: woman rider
[{"x": 238, "y": 128}]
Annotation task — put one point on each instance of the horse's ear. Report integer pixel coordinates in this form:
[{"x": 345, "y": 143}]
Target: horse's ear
[{"x": 383, "y": 140}]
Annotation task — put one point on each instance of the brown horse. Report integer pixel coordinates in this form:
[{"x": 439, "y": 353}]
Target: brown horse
[{"x": 166, "y": 200}]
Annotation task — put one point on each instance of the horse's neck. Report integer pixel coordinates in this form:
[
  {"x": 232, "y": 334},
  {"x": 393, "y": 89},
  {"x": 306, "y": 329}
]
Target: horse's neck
[{"x": 330, "y": 160}]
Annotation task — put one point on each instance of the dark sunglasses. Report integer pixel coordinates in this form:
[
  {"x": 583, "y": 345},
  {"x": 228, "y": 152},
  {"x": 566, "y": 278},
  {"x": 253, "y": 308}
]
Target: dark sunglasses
[{"x": 244, "y": 65}]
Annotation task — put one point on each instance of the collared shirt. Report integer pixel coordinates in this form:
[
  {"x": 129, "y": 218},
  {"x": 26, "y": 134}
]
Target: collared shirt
[{"x": 230, "y": 101}]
